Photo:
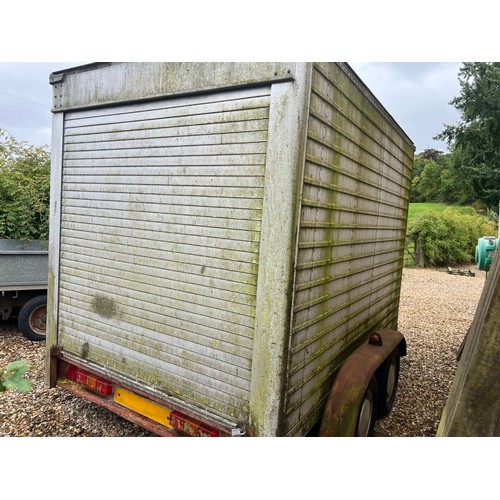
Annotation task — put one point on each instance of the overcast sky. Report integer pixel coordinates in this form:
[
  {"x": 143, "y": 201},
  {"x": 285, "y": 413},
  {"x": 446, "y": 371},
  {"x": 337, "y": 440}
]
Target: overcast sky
[
  {"x": 416, "y": 94},
  {"x": 26, "y": 100}
]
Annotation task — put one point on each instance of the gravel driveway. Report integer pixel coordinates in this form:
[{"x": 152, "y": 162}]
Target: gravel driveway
[{"x": 436, "y": 311}]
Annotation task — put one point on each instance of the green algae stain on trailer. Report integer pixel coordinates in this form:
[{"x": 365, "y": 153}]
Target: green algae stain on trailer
[{"x": 104, "y": 306}]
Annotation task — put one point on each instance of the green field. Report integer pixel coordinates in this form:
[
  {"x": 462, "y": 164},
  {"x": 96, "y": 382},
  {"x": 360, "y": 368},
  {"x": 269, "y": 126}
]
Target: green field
[{"x": 417, "y": 208}]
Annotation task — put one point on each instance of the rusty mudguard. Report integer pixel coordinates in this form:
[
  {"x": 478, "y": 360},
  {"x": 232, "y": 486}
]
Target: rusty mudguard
[{"x": 350, "y": 384}]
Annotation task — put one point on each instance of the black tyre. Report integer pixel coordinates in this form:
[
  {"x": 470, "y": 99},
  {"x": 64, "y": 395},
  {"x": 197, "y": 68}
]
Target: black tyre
[
  {"x": 368, "y": 410},
  {"x": 388, "y": 377},
  {"x": 32, "y": 319}
]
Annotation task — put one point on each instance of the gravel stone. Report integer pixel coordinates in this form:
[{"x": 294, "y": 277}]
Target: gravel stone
[
  {"x": 436, "y": 311},
  {"x": 50, "y": 412}
]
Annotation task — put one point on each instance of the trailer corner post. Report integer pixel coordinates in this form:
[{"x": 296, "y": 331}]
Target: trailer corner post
[
  {"x": 284, "y": 170},
  {"x": 54, "y": 238}
]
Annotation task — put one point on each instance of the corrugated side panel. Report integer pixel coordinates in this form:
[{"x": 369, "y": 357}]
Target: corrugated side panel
[
  {"x": 160, "y": 232},
  {"x": 351, "y": 237}
]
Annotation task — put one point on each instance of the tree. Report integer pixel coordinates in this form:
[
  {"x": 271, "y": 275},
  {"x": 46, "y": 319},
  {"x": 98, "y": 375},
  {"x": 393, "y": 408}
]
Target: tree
[
  {"x": 475, "y": 140},
  {"x": 431, "y": 154},
  {"x": 430, "y": 182},
  {"x": 24, "y": 189},
  {"x": 434, "y": 179},
  {"x": 456, "y": 184}
]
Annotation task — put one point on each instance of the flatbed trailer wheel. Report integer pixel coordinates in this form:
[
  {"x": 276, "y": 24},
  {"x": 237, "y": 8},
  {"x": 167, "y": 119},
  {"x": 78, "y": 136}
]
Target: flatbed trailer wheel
[
  {"x": 32, "y": 319},
  {"x": 388, "y": 377},
  {"x": 368, "y": 410}
]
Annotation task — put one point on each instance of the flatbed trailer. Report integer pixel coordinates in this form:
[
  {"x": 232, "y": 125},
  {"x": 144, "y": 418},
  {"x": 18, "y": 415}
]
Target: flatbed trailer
[
  {"x": 227, "y": 246},
  {"x": 23, "y": 285}
]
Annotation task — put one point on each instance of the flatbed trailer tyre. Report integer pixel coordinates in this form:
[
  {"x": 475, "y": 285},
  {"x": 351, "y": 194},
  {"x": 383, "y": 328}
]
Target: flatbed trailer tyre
[{"x": 32, "y": 319}]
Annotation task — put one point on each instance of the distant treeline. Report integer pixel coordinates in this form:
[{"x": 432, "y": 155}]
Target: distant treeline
[{"x": 470, "y": 173}]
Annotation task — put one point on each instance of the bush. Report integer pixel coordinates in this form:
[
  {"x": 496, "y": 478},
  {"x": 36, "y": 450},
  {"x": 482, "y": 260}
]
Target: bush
[
  {"x": 449, "y": 237},
  {"x": 24, "y": 189}
]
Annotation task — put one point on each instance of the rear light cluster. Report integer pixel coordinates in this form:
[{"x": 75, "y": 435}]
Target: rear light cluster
[
  {"x": 178, "y": 421},
  {"x": 94, "y": 383},
  {"x": 191, "y": 427}
]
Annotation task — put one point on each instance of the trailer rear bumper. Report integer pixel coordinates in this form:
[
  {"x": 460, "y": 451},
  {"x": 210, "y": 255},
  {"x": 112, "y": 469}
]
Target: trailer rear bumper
[
  {"x": 162, "y": 418},
  {"x": 126, "y": 413},
  {"x": 341, "y": 411}
]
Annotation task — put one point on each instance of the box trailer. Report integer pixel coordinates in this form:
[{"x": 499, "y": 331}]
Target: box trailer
[
  {"x": 23, "y": 285},
  {"x": 226, "y": 246}
]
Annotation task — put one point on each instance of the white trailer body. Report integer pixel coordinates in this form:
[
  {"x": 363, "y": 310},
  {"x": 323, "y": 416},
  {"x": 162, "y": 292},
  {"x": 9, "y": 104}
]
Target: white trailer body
[{"x": 223, "y": 237}]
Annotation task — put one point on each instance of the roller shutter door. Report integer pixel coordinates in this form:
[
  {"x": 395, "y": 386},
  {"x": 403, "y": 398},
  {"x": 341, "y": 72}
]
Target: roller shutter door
[{"x": 160, "y": 234}]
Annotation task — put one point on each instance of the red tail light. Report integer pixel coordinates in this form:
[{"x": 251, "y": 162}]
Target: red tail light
[
  {"x": 191, "y": 427},
  {"x": 94, "y": 383},
  {"x": 375, "y": 339}
]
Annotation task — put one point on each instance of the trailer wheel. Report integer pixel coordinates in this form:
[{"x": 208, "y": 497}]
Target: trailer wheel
[
  {"x": 388, "y": 377},
  {"x": 32, "y": 319},
  {"x": 368, "y": 410}
]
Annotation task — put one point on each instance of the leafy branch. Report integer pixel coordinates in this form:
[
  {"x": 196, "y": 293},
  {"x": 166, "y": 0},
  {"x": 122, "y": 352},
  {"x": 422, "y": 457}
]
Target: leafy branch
[{"x": 13, "y": 377}]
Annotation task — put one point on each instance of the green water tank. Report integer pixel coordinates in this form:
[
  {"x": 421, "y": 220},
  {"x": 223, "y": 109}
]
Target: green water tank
[{"x": 485, "y": 246}]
